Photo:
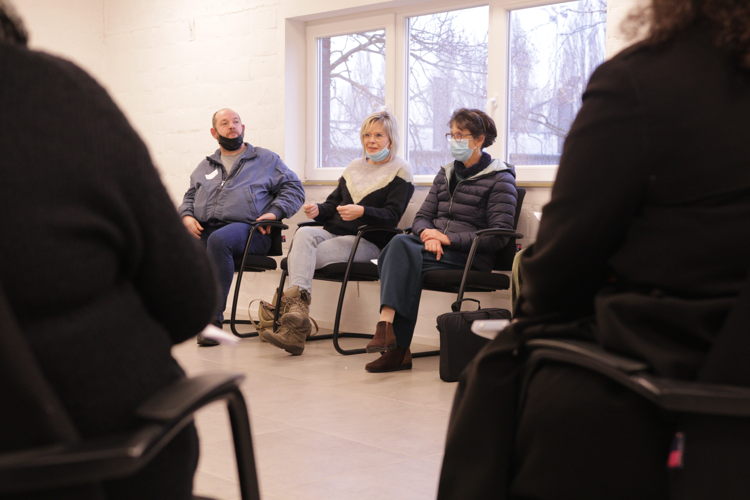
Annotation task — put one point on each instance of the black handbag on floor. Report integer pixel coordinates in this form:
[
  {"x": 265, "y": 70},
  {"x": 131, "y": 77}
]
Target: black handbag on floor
[{"x": 458, "y": 344}]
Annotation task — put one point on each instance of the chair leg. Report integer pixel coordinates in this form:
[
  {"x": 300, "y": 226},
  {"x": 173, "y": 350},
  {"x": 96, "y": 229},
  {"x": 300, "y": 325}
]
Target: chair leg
[
  {"x": 277, "y": 305},
  {"x": 243, "y": 446},
  {"x": 233, "y": 321},
  {"x": 337, "y": 324}
]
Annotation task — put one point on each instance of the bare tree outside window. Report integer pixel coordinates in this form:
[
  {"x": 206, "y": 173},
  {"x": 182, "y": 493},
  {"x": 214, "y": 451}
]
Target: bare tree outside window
[
  {"x": 447, "y": 70},
  {"x": 351, "y": 71},
  {"x": 553, "y": 51}
]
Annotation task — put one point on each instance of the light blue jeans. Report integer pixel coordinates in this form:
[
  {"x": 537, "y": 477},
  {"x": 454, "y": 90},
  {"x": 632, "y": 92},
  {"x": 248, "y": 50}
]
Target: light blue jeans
[{"x": 314, "y": 247}]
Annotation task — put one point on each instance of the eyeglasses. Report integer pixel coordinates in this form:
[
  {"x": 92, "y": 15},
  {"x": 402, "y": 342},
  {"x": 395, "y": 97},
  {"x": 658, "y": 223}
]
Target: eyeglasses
[
  {"x": 378, "y": 136},
  {"x": 457, "y": 137}
]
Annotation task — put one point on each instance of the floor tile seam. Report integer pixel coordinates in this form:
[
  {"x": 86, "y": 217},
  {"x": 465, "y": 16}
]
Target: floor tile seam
[
  {"x": 405, "y": 455},
  {"x": 344, "y": 437},
  {"x": 355, "y": 386}
]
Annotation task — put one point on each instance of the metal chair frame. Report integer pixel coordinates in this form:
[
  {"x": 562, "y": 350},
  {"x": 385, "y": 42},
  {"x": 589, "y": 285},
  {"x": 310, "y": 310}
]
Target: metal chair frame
[{"x": 245, "y": 266}]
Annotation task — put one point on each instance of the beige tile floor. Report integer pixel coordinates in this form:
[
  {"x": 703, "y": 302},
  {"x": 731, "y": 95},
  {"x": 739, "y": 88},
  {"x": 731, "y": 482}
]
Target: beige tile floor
[{"x": 324, "y": 428}]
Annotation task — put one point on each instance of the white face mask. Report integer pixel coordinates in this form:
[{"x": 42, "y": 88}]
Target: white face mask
[
  {"x": 379, "y": 156},
  {"x": 460, "y": 149}
]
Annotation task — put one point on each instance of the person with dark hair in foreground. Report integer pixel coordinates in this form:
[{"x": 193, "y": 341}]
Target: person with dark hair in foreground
[
  {"x": 101, "y": 275},
  {"x": 471, "y": 193},
  {"x": 643, "y": 249}
]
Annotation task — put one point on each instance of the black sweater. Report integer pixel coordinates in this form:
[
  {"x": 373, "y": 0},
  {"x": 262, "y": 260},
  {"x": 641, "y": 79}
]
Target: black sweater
[
  {"x": 97, "y": 267},
  {"x": 652, "y": 196},
  {"x": 383, "y": 207}
]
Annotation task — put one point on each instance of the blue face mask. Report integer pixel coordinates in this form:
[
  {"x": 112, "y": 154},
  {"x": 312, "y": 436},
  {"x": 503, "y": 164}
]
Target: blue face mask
[
  {"x": 379, "y": 156},
  {"x": 460, "y": 149}
]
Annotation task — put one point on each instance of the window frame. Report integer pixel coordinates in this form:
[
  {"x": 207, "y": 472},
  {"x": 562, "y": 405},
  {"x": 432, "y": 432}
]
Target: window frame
[
  {"x": 394, "y": 22},
  {"x": 338, "y": 27}
]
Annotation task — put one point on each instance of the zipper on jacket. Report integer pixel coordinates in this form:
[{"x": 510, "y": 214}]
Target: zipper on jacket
[{"x": 450, "y": 205}]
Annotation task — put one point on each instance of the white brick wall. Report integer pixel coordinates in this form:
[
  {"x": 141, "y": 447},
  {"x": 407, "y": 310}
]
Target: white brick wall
[{"x": 171, "y": 63}]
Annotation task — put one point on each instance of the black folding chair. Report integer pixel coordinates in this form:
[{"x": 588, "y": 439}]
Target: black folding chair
[
  {"x": 255, "y": 264},
  {"x": 60, "y": 458},
  {"x": 452, "y": 281},
  {"x": 340, "y": 272},
  {"x": 460, "y": 281}
]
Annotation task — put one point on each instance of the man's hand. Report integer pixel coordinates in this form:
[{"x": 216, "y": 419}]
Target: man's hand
[
  {"x": 434, "y": 234},
  {"x": 193, "y": 226},
  {"x": 435, "y": 247},
  {"x": 266, "y": 216},
  {"x": 350, "y": 212},
  {"x": 311, "y": 210}
]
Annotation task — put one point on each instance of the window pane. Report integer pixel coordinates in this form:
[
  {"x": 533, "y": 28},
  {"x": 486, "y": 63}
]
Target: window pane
[
  {"x": 351, "y": 71},
  {"x": 447, "y": 70},
  {"x": 553, "y": 51}
]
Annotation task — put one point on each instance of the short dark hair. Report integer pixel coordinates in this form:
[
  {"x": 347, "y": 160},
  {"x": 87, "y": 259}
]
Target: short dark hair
[{"x": 477, "y": 122}]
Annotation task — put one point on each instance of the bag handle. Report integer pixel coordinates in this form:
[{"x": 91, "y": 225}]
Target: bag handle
[{"x": 456, "y": 306}]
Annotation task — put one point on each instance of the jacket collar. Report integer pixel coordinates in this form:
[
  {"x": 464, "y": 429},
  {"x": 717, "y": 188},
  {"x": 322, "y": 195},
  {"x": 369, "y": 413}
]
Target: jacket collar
[
  {"x": 249, "y": 154},
  {"x": 494, "y": 166}
]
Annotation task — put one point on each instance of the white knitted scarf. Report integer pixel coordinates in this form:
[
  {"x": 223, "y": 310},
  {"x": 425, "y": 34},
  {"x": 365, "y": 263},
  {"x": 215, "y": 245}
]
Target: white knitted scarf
[{"x": 363, "y": 178}]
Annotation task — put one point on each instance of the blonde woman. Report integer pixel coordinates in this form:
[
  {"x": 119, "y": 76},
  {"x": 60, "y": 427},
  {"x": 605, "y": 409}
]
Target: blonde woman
[{"x": 374, "y": 189}]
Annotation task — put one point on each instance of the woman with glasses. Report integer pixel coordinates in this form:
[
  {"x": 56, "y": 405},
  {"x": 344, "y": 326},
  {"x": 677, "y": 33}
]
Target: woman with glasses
[
  {"x": 472, "y": 192},
  {"x": 374, "y": 189}
]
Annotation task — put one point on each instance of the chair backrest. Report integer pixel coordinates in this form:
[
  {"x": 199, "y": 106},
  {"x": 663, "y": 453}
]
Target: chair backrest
[
  {"x": 277, "y": 239},
  {"x": 504, "y": 256},
  {"x": 726, "y": 362}
]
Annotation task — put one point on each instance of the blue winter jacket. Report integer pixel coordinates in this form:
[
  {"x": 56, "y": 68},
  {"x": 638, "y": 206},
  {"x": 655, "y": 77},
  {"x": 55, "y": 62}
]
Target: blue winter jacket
[
  {"x": 485, "y": 200},
  {"x": 259, "y": 182}
]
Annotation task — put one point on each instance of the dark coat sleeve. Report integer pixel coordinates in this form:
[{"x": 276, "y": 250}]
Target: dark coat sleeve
[
  {"x": 599, "y": 187},
  {"x": 429, "y": 209},
  {"x": 168, "y": 267},
  {"x": 173, "y": 275},
  {"x": 327, "y": 209},
  {"x": 288, "y": 191}
]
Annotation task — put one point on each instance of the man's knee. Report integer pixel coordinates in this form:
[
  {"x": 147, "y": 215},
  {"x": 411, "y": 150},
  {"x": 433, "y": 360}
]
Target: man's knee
[
  {"x": 215, "y": 241},
  {"x": 227, "y": 239}
]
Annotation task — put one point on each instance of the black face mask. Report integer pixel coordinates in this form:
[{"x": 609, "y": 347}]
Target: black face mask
[{"x": 231, "y": 144}]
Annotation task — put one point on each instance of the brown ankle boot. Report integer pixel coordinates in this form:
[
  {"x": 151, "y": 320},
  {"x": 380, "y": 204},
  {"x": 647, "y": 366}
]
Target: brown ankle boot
[
  {"x": 391, "y": 361},
  {"x": 384, "y": 338}
]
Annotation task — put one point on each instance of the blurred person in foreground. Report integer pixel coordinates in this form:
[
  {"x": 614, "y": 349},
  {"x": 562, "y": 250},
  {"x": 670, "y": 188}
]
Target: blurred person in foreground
[
  {"x": 643, "y": 249},
  {"x": 99, "y": 272}
]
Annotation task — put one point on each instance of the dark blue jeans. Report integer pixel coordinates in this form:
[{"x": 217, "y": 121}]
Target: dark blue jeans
[
  {"x": 225, "y": 244},
  {"x": 401, "y": 264}
]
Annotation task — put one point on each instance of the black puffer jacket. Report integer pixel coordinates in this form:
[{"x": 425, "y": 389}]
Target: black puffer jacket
[{"x": 487, "y": 199}]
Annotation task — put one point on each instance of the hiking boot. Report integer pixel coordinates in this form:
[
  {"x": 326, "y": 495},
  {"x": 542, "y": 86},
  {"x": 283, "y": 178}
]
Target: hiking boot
[
  {"x": 290, "y": 339},
  {"x": 391, "y": 361},
  {"x": 295, "y": 304},
  {"x": 384, "y": 338}
]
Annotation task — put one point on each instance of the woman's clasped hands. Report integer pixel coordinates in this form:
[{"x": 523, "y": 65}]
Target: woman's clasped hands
[{"x": 434, "y": 241}]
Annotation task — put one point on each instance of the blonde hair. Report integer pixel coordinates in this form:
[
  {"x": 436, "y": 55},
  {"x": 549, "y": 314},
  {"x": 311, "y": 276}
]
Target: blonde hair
[{"x": 388, "y": 123}]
